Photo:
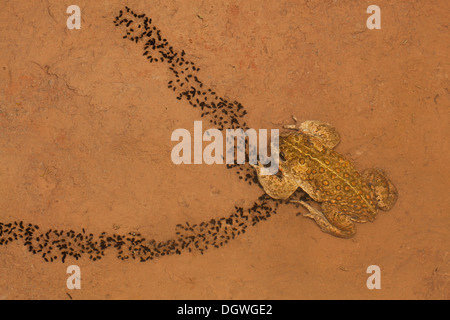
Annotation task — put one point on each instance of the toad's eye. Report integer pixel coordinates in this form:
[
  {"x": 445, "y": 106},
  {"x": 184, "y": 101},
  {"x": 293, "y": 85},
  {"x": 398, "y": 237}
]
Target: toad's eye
[{"x": 282, "y": 156}]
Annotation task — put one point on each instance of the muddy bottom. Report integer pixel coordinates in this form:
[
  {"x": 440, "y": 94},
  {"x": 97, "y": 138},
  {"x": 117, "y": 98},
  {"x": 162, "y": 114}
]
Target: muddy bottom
[{"x": 86, "y": 170}]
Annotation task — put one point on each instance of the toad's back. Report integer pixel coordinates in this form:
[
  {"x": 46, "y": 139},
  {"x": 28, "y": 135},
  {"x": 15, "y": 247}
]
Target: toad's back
[{"x": 331, "y": 177}]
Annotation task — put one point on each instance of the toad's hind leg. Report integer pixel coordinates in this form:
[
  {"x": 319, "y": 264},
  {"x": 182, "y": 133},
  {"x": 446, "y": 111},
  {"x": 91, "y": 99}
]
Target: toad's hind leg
[
  {"x": 322, "y": 131},
  {"x": 331, "y": 220},
  {"x": 385, "y": 192}
]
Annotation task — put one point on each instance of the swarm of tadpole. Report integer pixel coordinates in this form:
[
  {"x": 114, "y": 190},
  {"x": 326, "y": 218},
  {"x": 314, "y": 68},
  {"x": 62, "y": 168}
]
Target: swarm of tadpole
[{"x": 55, "y": 245}]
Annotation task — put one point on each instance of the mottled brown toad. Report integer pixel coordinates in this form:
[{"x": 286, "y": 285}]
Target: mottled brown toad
[{"x": 308, "y": 161}]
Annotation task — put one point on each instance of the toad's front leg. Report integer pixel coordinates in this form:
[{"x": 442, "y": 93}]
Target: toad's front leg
[
  {"x": 322, "y": 131},
  {"x": 330, "y": 220},
  {"x": 276, "y": 186}
]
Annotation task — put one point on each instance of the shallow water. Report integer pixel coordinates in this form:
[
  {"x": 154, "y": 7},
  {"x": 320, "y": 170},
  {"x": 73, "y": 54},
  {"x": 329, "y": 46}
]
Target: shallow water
[{"x": 86, "y": 124}]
